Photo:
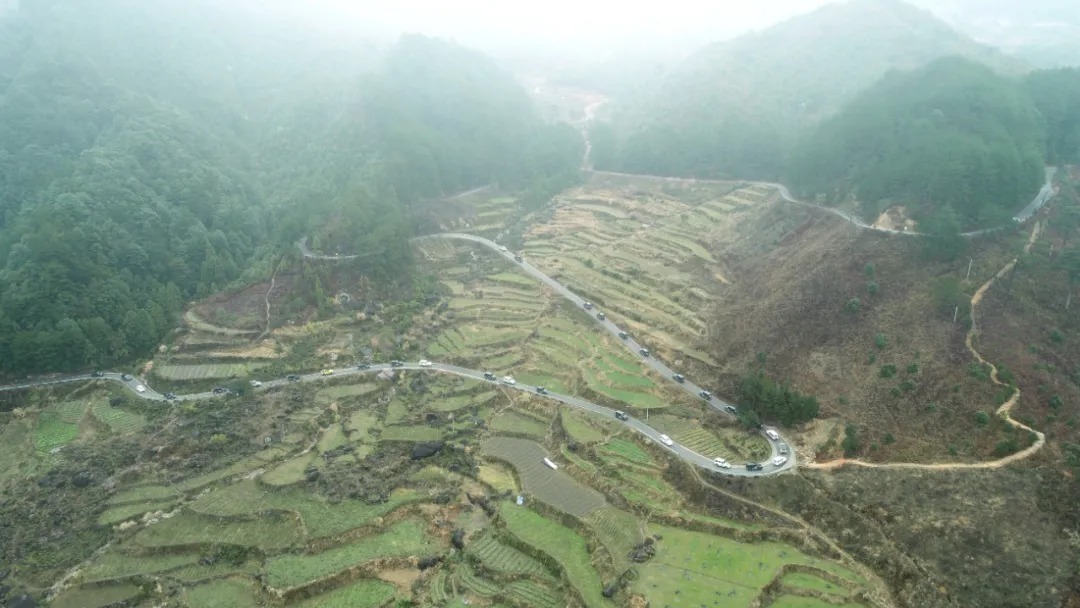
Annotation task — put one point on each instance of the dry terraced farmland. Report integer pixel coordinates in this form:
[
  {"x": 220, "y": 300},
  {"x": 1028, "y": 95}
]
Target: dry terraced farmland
[{"x": 642, "y": 253}]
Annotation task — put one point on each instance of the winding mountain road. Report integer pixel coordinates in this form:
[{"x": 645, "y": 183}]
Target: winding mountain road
[{"x": 134, "y": 383}]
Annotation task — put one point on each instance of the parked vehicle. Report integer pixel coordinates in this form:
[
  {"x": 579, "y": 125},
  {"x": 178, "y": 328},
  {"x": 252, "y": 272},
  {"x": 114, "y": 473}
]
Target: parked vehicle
[
  {"x": 396, "y": 363},
  {"x": 783, "y": 448},
  {"x": 502, "y": 248},
  {"x": 721, "y": 463},
  {"x": 753, "y": 466},
  {"x": 706, "y": 395},
  {"x": 170, "y": 396},
  {"x": 518, "y": 259},
  {"x": 731, "y": 409},
  {"x": 601, "y": 316},
  {"x": 551, "y": 465},
  {"x": 256, "y": 383},
  {"x": 125, "y": 377},
  {"x": 292, "y": 378},
  {"x": 541, "y": 390},
  {"x": 587, "y": 305},
  {"x": 664, "y": 439},
  {"x": 140, "y": 388},
  {"x": 621, "y": 415},
  {"x": 489, "y": 376},
  {"x": 644, "y": 352},
  {"x": 624, "y": 335},
  {"x": 771, "y": 434},
  {"x": 509, "y": 380},
  {"x": 424, "y": 363},
  {"x": 363, "y": 366},
  {"x": 220, "y": 390},
  {"x": 679, "y": 378},
  {"x": 328, "y": 372},
  {"x": 779, "y": 461},
  {"x": 97, "y": 374}
]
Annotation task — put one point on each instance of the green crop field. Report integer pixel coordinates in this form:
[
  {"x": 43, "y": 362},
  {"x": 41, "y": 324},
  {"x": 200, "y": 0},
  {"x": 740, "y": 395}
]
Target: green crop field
[
  {"x": 504, "y": 558},
  {"x": 361, "y": 594},
  {"x": 578, "y": 427},
  {"x": 118, "y": 420},
  {"x": 465, "y": 578},
  {"x": 410, "y": 433},
  {"x": 347, "y": 390},
  {"x": 115, "y": 564},
  {"x": 52, "y": 432},
  {"x": 359, "y": 423},
  {"x": 273, "y": 532},
  {"x": 142, "y": 493},
  {"x": 290, "y": 471},
  {"x": 629, "y": 451},
  {"x": 320, "y": 517},
  {"x": 201, "y": 572},
  {"x": 692, "y": 568},
  {"x": 71, "y": 412},
  {"x": 555, "y": 488},
  {"x": 809, "y": 581},
  {"x": 95, "y": 596},
  {"x": 798, "y": 601},
  {"x": 206, "y": 371},
  {"x": 563, "y": 544},
  {"x": 517, "y": 422},
  {"x": 228, "y": 593},
  {"x": 403, "y": 539},
  {"x": 618, "y": 530},
  {"x": 535, "y": 596},
  {"x": 119, "y": 513}
]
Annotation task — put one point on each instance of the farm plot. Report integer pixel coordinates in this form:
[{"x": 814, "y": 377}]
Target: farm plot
[
  {"x": 117, "y": 564},
  {"x": 289, "y": 472},
  {"x": 142, "y": 493},
  {"x": 518, "y": 422},
  {"x": 799, "y": 601},
  {"x": 410, "y": 433},
  {"x": 95, "y": 596},
  {"x": 118, "y": 420},
  {"x": 618, "y": 530},
  {"x": 361, "y": 594},
  {"x": 201, "y": 572},
  {"x": 692, "y": 568},
  {"x": 206, "y": 371},
  {"x": 535, "y": 595},
  {"x": 627, "y": 451},
  {"x": 803, "y": 580},
  {"x": 579, "y": 426},
  {"x": 119, "y": 513},
  {"x": 403, "y": 539},
  {"x": 504, "y": 558},
  {"x": 555, "y": 488},
  {"x": 321, "y": 518},
  {"x": 228, "y": 593},
  {"x": 333, "y": 393},
  {"x": 267, "y": 533},
  {"x": 465, "y": 578},
  {"x": 52, "y": 432},
  {"x": 731, "y": 444},
  {"x": 561, "y": 543}
]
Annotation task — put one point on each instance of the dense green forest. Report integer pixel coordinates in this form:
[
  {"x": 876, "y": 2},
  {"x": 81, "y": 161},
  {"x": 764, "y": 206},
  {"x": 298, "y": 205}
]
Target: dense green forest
[
  {"x": 153, "y": 153},
  {"x": 950, "y": 137},
  {"x": 1056, "y": 94},
  {"x": 734, "y": 109}
]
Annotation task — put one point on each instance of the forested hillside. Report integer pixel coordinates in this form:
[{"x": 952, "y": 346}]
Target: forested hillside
[
  {"x": 734, "y": 109},
  {"x": 953, "y": 137},
  {"x": 1056, "y": 94},
  {"x": 152, "y": 153}
]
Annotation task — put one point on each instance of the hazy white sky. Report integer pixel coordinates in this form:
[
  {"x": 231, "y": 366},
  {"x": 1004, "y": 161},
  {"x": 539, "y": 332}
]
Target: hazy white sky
[{"x": 565, "y": 24}]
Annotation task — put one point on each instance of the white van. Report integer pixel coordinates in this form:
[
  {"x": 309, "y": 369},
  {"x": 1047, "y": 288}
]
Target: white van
[
  {"x": 779, "y": 461},
  {"x": 771, "y": 434},
  {"x": 551, "y": 465}
]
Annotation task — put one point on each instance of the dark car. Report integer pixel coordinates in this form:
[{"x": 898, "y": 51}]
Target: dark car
[
  {"x": 292, "y": 378},
  {"x": 730, "y": 409},
  {"x": 644, "y": 352},
  {"x": 518, "y": 258},
  {"x": 220, "y": 390},
  {"x": 97, "y": 374},
  {"x": 363, "y": 366},
  {"x": 541, "y": 390},
  {"x": 679, "y": 378},
  {"x": 170, "y": 396},
  {"x": 624, "y": 335},
  {"x": 753, "y": 466},
  {"x": 706, "y": 395},
  {"x": 126, "y": 377},
  {"x": 601, "y": 316},
  {"x": 396, "y": 363},
  {"x": 621, "y": 415},
  {"x": 587, "y": 305},
  {"x": 489, "y": 376}
]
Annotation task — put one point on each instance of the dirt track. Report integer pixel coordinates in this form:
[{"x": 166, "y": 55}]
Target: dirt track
[{"x": 1004, "y": 411}]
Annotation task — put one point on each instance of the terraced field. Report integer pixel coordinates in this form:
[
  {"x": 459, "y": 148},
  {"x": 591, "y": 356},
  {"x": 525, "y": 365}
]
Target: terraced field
[
  {"x": 505, "y": 322},
  {"x": 642, "y": 253},
  {"x": 555, "y": 488},
  {"x": 696, "y": 569},
  {"x": 503, "y": 558},
  {"x": 206, "y": 371},
  {"x": 732, "y": 444}
]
